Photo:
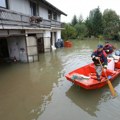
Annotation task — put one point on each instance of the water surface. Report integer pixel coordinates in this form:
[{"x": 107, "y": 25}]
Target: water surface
[{"x": 39, "y": 91}]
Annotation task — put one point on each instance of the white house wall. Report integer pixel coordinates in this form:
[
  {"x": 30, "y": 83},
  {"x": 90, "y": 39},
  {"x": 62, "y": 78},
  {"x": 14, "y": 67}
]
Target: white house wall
[
  {"x": 58, "y": 35},
  {"x": 47, "y": 36},
  {"x": 22, "y": 50},
  {"x": 43, "y": 12},
  {"x": 47, "y": 44},
  {"x": 22, "y": 6},
  {"x": 32, "y": 48},
  {"x": 17, "y": 48},
  {"x": 3, "y": 32}
]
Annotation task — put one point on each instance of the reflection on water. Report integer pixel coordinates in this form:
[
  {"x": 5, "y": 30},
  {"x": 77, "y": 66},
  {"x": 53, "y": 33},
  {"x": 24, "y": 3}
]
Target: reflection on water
[
  {"x": 87, "y": 100},
  {"x": 39, "y": 91}
]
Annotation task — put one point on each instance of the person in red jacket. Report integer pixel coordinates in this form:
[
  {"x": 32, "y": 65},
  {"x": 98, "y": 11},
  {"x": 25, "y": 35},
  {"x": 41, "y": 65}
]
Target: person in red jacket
[
  {"x": 97, "y": 55},
  {"x": 109, "y": 48}
]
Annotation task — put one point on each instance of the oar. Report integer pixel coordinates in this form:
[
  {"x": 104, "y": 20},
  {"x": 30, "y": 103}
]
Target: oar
[{"x": 108, "y": 81}]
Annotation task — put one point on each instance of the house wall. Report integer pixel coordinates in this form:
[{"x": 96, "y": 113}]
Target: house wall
[
  {"x": 3, "y": 32},
  {"x": 58, "y": 35},
  {"x": 32, "y": 48},
  {"x": 10, "y": 32},
  {"x": 43, "y": 12},
  {"x": 47, "y": 36},
  {"x": 22, "y": 6},
  {"x": 17, "y": 48}
]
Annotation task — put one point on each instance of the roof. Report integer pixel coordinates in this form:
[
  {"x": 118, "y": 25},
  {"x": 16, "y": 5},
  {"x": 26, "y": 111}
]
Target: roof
[{"x": 53, "y": 7}]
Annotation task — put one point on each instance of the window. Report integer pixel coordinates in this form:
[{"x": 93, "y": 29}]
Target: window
[
  {"x": 3, "y": 3},
  {"x": 33, "y": 7},
  {"x": 54, "y": 16},
  {"x": 50, "y": 14}
]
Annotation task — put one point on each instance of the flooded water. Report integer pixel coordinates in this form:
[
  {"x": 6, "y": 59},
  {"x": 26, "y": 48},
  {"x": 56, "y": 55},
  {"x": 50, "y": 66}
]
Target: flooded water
[{"x": 39, "y": 91}]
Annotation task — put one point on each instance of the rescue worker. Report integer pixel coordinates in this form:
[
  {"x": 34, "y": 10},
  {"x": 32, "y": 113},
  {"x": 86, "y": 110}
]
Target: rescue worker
[
  {"x": 109, "y": 48},
  {"x": 97, "y": 55}
]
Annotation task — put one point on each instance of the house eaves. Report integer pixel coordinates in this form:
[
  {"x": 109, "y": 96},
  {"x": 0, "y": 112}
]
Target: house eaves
[{"x": 53, "y": 7}]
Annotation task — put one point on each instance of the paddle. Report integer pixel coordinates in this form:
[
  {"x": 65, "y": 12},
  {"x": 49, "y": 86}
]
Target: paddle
[{"x": 108, "y": 81}]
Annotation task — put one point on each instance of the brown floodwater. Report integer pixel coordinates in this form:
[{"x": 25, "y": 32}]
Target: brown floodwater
[{"x": 40, "y": 91}]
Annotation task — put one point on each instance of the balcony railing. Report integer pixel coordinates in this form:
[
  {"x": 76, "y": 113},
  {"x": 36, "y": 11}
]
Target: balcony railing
[{"x": 10, "y": 19}]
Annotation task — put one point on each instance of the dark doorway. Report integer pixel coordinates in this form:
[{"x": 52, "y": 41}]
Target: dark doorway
[
  {"x": 55, "y": 36},
  {"x": 40, "y": 44},
  {"x": 4, "y": 48},
  {"x": 51, "y": 42}
]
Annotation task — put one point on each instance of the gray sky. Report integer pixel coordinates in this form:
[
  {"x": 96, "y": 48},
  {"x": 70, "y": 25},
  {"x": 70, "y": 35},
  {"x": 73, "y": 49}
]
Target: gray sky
[{"x": 83, "y": 7}]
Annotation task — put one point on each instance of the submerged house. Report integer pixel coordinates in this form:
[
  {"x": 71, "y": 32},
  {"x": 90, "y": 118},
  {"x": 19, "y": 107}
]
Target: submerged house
[{"x": 28, "y": 28}]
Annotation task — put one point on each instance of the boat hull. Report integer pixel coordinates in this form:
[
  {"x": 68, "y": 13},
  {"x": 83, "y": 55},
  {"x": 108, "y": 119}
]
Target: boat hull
[{"x": 92, "y": 82}]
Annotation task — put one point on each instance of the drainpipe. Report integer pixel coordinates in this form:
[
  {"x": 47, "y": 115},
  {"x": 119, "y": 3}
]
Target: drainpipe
[{"x": 26, "y": 46}]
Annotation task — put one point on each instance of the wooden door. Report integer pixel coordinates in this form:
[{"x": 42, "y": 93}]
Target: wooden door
[{"x": 40, "y": 44}]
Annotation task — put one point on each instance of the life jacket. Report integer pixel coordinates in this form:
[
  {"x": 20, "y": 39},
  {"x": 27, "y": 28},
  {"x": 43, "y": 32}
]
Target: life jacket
[
  {"x": 100, "y": 54},
  {"x": 108, "y": 47}
]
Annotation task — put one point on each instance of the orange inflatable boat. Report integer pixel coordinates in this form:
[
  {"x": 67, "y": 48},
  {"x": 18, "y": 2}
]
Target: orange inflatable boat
[{"x": 85, "y": 76}]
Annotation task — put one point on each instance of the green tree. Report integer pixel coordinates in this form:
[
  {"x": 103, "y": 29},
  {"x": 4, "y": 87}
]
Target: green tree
[
  {"x": 94, "y": 22},
  {"x": 69, "y": 32},
  {"x": 97, "y": 22},
  {"x": 74, "y": 21},
  {"x": 81, "y": 30},
  {"x": 111, "y": 23},
  {"x": 89, "y": 25},
  {"x": 80, "y": 20}
]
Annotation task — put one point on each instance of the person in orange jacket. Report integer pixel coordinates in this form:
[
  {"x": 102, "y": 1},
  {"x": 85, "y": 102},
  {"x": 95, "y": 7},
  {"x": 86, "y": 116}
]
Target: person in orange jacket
[{"x": 108, "y": 48}]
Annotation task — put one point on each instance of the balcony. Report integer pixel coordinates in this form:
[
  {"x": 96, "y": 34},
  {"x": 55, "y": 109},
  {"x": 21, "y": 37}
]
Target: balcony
[{"x": 13, "y": 20}]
